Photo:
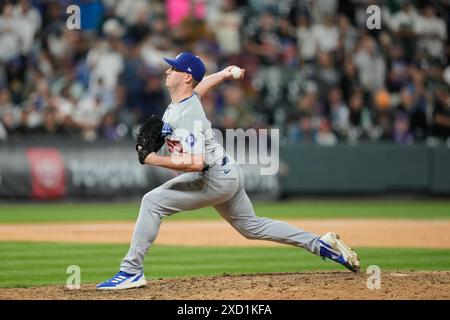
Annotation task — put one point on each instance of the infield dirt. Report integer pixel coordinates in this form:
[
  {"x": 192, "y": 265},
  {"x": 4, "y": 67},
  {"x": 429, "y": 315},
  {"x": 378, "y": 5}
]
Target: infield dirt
[
  {"x": 287, "y": 286},
  {"x": 398, "y": 233}
]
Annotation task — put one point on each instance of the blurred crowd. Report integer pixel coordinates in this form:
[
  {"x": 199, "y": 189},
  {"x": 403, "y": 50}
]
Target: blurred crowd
[{"x": 313, "y": 68}]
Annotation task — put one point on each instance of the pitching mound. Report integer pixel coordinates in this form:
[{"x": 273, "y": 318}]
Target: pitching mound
[{"x": 287, "y": 286}]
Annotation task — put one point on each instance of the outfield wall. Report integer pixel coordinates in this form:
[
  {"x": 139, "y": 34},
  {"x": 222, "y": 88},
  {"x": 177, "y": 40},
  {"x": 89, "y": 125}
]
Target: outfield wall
[
  {"x": 53, "y": 169},
  {"x": 366, "y": 169},
  {"x": 70, "y": 169}
]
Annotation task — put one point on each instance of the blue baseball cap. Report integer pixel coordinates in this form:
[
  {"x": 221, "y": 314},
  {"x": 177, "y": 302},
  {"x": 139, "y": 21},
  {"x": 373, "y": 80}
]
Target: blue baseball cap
[{"x": 189, "y": 63}]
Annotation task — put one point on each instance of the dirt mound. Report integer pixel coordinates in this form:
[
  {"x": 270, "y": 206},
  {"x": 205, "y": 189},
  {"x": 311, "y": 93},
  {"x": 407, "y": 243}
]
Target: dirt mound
[{"x": 286, "y": 286}]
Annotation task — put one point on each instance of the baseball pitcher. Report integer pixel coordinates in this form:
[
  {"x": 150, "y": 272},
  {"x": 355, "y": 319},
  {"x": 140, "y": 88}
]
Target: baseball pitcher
[{"x": 210, "y": 178}]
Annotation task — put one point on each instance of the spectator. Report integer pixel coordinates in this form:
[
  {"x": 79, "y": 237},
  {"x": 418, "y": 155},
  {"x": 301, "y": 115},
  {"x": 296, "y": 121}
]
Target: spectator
[
  {"x": 9, "y": 114},
  {"x": 371, "y": 65},
  {"x": 5, "y": 101},
  {"x": 268, "y": 82},
  {"x": 237, "y": 113},
  {"x": 402, "y": 132},
  {"x": 264, "y": 42},
  {"x": 9, "y": 40},
  {"x": 306, "y": 41},
  {"x": 28, "y": 23},
  {"x": 209, "y": 103},
  {"x": 398, "y": 75},
  {"x": 288, "y": 43},
  {"x": 418, "y": 116},
  {"x": 432, "y": 32},
  {"x": 322, "y": 9},
  {"x": 349, "y": 79},
  {"x": 49, "y": 124},
  {"x": 310, "y": 103},
  {"x": 226, "y": 26},
  {"x": 152, "y": 99},
  {"x": 106, "y": 64},
  {"x": 302, "y": 131},
  {"x": 110, "y": 128},
  {"x": 130, "y": 10},
  {"x": 88, "y": 115},
  {"x": 441, "y": 115},
  {"x": 403, "y": 23},
  {"x": 326, "y": 35},
  {"x": 384, "y": 124},
  {"x": 359, "y": 118},
  {"x": 326, "y": 137},
  {"x": 339, "y": 113},
  {"x": 181, "y": 10},
  {"x": 140, "y": 28},
  {"x": 309, "y": 65},
  {"x": 155, "y": 46},
  {"x": 348, "y": 35},
  {"x": 326, "y": 75}
]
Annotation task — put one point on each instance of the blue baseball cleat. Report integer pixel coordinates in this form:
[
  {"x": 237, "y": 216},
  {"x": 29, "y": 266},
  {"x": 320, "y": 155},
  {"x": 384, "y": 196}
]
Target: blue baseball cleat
[
  {"x": 123, "y": 280},
  {"x": 333, "y": 248}
]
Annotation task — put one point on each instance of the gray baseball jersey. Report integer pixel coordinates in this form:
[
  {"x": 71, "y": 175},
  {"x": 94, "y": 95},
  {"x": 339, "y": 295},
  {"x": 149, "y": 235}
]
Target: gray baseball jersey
[
  {"x": 188, "y": 124},
  {"x": 221, "y": 186}
]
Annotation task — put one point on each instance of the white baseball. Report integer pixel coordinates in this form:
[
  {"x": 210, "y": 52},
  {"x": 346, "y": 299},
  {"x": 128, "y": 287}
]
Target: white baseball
[{"x": 236, "y": 72}]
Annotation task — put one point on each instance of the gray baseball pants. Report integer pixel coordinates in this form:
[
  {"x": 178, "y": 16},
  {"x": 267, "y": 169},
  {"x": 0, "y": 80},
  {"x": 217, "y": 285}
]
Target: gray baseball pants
[{"x": 221, "y": 187}]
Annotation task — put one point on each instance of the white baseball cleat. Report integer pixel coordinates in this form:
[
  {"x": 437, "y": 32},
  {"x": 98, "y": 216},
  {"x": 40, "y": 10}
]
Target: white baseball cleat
[
  {"x": 333, "y": 248},
  {"x": 123, "y": 280}
]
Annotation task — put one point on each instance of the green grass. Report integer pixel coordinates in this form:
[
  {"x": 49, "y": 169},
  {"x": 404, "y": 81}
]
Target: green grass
[
  {"x": 25, "y": 264},
  {"x": 66, "y": 212}
]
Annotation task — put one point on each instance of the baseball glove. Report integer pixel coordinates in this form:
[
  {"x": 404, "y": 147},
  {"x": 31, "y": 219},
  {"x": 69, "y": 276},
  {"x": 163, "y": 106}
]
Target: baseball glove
[{"x": 149, "y": 137}]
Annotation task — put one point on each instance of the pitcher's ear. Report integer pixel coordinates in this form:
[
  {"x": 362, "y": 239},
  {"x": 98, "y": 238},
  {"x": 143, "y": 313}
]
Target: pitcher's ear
[{"x": 188, "y": 78}]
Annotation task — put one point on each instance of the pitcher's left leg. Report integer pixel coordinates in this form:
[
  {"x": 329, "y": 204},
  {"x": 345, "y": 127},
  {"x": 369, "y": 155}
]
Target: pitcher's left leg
[{"x": 238, "y": 211}]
